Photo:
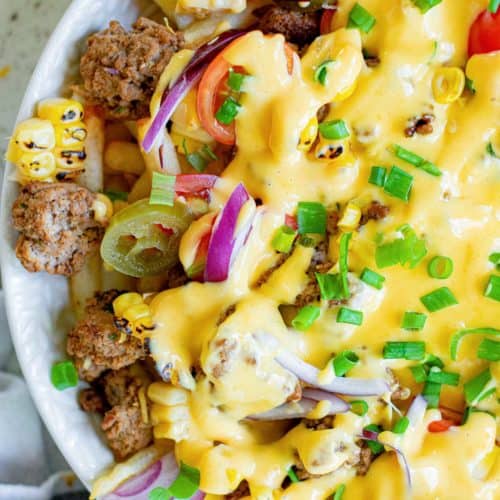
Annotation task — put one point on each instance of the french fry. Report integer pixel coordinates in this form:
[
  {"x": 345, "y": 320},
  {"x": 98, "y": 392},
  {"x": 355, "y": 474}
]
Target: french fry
[
  {"x": 85, "y": 283},
  {"x": 142, "y": 187},
  {"x": 118, "y": 131},
  {"x": 126, "y": 157},
  {"x": 92, "y": 178},
  {"x": 115, "y": 280}
]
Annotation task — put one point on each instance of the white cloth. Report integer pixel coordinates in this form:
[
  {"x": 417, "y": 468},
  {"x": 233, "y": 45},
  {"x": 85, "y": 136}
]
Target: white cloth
[{"x": 31, "y": 468}]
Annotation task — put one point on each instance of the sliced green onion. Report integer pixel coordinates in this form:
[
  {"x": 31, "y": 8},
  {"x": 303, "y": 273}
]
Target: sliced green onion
[
  {"x": 63, "y": 375},
  {"x": 492, "y": 289},
  {"x": 372, "y": 278},
  {"x": 440, "y": 267},
  {"x": 293, "y": 475},
  {"x": 321, "y": 72},
  {"x": 339, "y": 493},
  {"x": 306, "y": 317},
  {"x": 159, "y": 493},
  {"x": 116, "y": 195},
  {"x": 444, "y": 378},
  {"x": 408, "y": 250},
  {"x": 471, "y": 86},
  {"x": 491, "y": 150},
  {"x": 432, "y": 392},
  {"x": 494, "y": 258},
  {"x": 439, "y": 299},
  {"x": 425, "y": 5},
  {"x": 228, "y": 111},
  {"x": 376, "y": 447},
  {"x": 401, "y": 425},
  {"x": 235, "y": 80},
  {"x": 360, "y": 18},
  {"x": 186, "y": 483},
  {"x": 335, "y": 129},
  {"x": 478, "y": 388},
  {"x": 399, "y": 184},
  {"x": 343, "y": 264},
  {"x": 431, "y": 360},
  {"x": 311, "y": 217},
  {"x": 199, "y": 159},
  {"x": 162, "y": 189},
  {"x": 419, "y": 373},
  {"x": 349, "y": 316},
  {"x": 413, "y": 351},
  {"x": 457, "y": 337},
  {"x": 413, "y": 321},
  {"x": 493, "y": 6},
  {"x": 359, "y": 407},
  {"x": 330, "y": 286},
  {"x": 377, "y": 176},
  {"x": 344, "y": 361},
  {"x": 207, "y": 151},
  {"x": 283, "y": 239},
  {"x": 489, "y": 350},
  {"x": 416, "y": 161}
]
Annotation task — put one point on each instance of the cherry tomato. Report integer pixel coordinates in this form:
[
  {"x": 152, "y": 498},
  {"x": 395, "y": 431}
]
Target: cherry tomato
[
  {"x": 325, "y": 25},
  {"x": 440, "y": 425},
  {"x": 291, "y": 221},
  {"x": 484, "y": 34}
]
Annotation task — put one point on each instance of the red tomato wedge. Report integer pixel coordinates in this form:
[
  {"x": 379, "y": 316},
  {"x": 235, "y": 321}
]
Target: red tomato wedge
[
  {"x": 484, "y": 34},
  {"x": 212, "y": 91},
  {"x": 440, "y": 425},
  {"x": 325, "y": 25},
  {"x": 291, "y": 221}
]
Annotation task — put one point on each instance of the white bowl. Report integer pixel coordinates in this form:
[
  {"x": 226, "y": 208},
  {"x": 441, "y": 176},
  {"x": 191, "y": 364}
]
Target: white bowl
[{"x": 37, "y": 303}]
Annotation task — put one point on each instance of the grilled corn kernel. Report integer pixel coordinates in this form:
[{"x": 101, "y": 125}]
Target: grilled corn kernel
[
  {"x": 350, "y": 217},
  {"x": 60, "y": 111},
  {"x": 448, "y": 85},
  {"x": 34, "y": 135},
  {"x": 69, "y": 159},
  {"x": 137, "y": 313},
  {"x": 329, "y": 150},
  {"x": 309, "y": 134},
  {"x": 103, "y": 208},
  {"x": 124, "y": 301},
  {"x": 345, "y": 94},
  {"x": 36, "y": 166},
  {"x": 71, "y": 135}
]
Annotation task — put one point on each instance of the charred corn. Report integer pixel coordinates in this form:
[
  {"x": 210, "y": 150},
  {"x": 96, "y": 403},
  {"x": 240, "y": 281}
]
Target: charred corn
[
  {"x": 103, "y": 208},
  {"x": 133, "y": 314},
  {"x": 448, "y": 85},
  {"x": 309, "y": 134}
]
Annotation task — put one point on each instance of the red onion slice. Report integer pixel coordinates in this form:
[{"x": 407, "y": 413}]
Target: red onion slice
[
  {"x": 416, "y": 411},
  {"x": 194, "y": 183},
  {"x": 337, "y": 405},
  {"x": 341, "y": 385},
  {"x": 222, "y": 244},
  {"x": 186, "y": 81},
  {"x": 139, "y": 483}
]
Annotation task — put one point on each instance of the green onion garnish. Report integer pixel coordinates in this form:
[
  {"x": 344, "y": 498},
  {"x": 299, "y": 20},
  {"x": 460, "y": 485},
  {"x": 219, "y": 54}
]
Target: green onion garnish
[
  {"x": 399, "y": 184},
  {"x": 162, "y": 189},
  {"x": 330, "y": 286},
  {"x": 311, "y": 217},
  {"x": 185, "y": 485},
  {"x": 63, "y": 375},
  {"x": 440, "y": 267},
  {"x": 360, "y": 18},
  {"x": 199, "y": 159},
  {"x": 377, "y": 176},
  {"x": 228, "y": 111},
  {"x": 335, "y": 129},
  {"x": 416, "y": 161},
  {"x": 407, "y": 250},
  {"x": 235, "y": 80},
  {"x": 494, "y": 258},
  {"x": 419, "y": 373},
  {"x": 321, "y": 72},
  {"x": 478, "y": 388},
  {"x": 433, "y": 361},
  {"x": 413, "y": 320},
  {"x": 343, "y": 266},
  {"x": 283, "y": 239},
  {"x": 457, "y": 337},
  {"x": 116, "y": 195},
  {"x": 445, "y": 378},
  {"x": 359, "y": 407},
  {"x": 374, "y": 446},
  {"x": 401, "y": 425},
  {"x": 492, "y": 289},
  {"x": 413, "y": 351},
  {"x": 439, "y": 299},
  {"x": 349, "y": 316},
  {"x": 432, "y": 392},
  {"x": 489, "y": 350},
  {"x": 344, "y": 361},
  {"x": 293, "y": 475},
  {"x": 372, "y": 278},
  {"x": 339, "y": 492},
  {"x": 470, "y": 85},
  {"x": 491, "y": 150},
  {"x": 493, "y": 6},
  {"x": 306, "y": 241},
  {"x": 425, "y": 5},
  {"x": 306, "y": 317}
]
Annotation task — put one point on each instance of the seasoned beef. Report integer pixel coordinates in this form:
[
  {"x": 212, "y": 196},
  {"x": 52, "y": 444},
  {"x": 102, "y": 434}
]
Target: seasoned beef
[
  {"x": 56, "y": 225},
  {"x": 320, "y": 424},
  {"x": 299, "y": 27},
  {"x": 240, "y": 492},
  {"x": 91, "y": 401},
  {"x": 120, "y": 385},
  {"x": 420, "y": 125},
  {"x": 95, "y": 342},
  {"x": 374, "y": 211},
  {"x": 120, "y": 69},
  {"x": 365, "y": 459}
]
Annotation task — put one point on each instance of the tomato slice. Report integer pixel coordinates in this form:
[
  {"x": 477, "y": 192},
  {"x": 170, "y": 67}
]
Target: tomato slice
[
  {"x": 440, "y": 425},
  {"x": 291, "y": 222},
  {"x": 325, "y": 25},
  {"x": 211, "y": 90},
  {"x": 484, "y": 34}
]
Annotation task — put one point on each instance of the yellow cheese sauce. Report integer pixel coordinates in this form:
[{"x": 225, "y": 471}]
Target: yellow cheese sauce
[{"x": 458, "y": 214}]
